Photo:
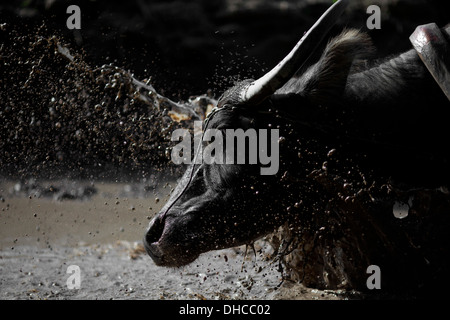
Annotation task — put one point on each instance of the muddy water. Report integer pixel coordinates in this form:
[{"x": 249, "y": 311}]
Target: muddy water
[
  {"x": 40, "y": 236},
  {"x": 113, "y": 212}
]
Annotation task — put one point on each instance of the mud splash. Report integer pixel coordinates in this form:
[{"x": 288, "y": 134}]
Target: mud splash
[
  {"x": 67, "y": 126},
  {"x": 62, "y": 117}
]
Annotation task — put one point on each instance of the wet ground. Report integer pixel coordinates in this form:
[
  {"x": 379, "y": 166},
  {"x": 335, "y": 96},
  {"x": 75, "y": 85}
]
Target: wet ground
[{"x": 42, "y": 235}]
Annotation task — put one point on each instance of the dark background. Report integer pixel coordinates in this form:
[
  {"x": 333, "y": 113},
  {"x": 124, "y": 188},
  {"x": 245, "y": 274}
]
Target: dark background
[{"x": 188, "y": 47}]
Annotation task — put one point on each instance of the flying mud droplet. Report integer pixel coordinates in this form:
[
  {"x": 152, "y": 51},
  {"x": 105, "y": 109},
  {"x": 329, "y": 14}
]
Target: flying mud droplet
[{"x": 401, "y": 209}]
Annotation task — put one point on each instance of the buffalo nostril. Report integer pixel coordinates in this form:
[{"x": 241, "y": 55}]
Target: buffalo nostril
[{"x": 155, "y": 230}]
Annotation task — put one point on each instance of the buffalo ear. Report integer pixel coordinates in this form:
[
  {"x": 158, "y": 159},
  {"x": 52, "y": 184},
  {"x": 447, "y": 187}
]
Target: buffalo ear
[{"x": 325, "y": 81}]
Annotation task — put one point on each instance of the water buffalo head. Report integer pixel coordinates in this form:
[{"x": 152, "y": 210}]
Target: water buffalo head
[{"x": 215, "y": 205}]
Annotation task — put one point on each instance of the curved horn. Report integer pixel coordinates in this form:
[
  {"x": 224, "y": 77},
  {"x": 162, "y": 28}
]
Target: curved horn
[{"x": 259, "y": 89}]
